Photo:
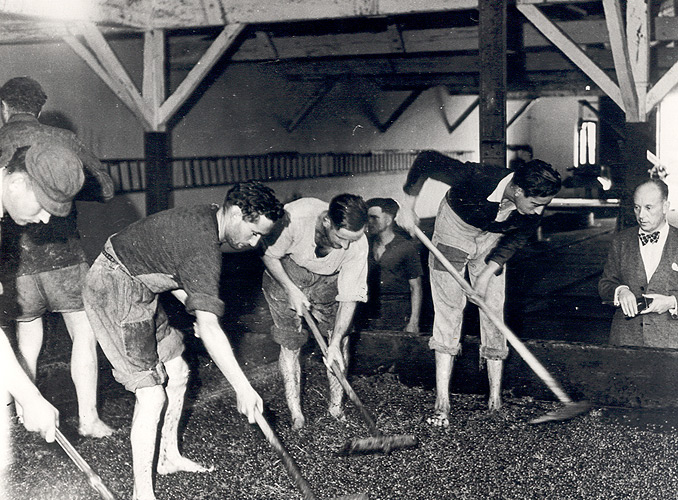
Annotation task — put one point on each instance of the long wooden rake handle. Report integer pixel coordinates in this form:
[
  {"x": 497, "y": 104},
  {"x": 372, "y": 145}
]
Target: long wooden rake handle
[
  {"x": 286, "y": 458},
  {"x": 93, "y": 478},
  {"x": 527, "y": 356},
  {"x": 371, "y": 425}
]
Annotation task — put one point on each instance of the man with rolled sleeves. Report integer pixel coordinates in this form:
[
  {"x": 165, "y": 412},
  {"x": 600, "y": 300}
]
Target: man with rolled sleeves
[
  {"x": 488, "y": 213},
  {"x": 317, "y": 264},
  {"x": 180, "y": 251}
]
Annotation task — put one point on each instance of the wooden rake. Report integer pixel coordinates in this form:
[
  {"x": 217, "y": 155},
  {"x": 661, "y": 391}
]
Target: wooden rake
[
  {"x": 93, "y": 478},
  {"x": 378, "y": 441}
]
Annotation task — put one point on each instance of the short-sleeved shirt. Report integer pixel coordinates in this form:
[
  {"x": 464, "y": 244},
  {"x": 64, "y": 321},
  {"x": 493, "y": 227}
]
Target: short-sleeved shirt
[
  {"x": 400, "y": 263},
  {"x": 297, "y": 240},
  {"x": 176, "y": 249}
]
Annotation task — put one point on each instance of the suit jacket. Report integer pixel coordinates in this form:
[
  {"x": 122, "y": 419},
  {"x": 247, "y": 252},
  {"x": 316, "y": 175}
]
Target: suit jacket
[{"x": 624, "y": 266}]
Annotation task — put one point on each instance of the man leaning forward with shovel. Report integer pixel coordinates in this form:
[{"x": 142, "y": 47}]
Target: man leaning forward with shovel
[{"x": 487, "y": 214}]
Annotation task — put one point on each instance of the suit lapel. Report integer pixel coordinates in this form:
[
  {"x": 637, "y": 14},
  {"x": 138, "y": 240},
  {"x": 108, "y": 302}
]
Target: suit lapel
[
  {"x": 664, "y": 267},
  {"x": 636, "y": 257}
]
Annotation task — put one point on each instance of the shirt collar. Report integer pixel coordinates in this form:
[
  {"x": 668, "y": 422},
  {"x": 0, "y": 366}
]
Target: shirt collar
[{"x": 498, "y": 193}]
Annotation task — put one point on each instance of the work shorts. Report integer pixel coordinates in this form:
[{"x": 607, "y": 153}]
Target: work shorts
[
  {"x": 130, "y": 326},
  {"x": 321, "y": 291},
  {"x": 59, "y": 291}
]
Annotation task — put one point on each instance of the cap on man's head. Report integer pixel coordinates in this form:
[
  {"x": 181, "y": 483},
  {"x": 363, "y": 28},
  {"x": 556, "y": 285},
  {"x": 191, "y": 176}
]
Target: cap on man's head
[{"x": 56, "y": 176}]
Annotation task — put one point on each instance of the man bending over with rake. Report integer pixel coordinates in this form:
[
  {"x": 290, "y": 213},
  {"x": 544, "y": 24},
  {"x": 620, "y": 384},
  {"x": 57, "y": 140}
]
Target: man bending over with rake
[
  {"x": 486, "y": 216},
  {"x": 176, "y": 250},
  {"x": 318, "y": 264}
]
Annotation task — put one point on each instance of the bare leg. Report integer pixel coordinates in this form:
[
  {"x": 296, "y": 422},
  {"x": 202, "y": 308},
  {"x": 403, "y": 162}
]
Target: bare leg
[
  {"x": 336, "y": 390},
  {"x": 147, "y": 411},
  {"x": 444, "y": 366},
  {"x": 84, "y": 372},
  {"x": 29, "y": 335},
  {"x": 494, "y": 372},
  {"x": 290, "y": 369},
  {"x": 169, "y": 457},
  {"x": 29, "y": 342}
]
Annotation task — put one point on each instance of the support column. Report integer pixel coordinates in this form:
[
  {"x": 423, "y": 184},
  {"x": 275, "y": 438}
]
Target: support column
[
  {"x": 158, "y": 171},
  {"x": 640, "y": 137},
  {"x": 492, "y": 36}
]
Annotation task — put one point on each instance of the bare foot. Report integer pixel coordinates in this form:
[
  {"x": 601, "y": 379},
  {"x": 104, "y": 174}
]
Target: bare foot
[
  {"x": 494, "y": 404},
  {"x": 298, "y": 422},
  {"x": 440, "y": 418},
  {"x": 337, "y": 412},
  {"x": 96, "y": 429},
  {"x": 168, "y": 465}
]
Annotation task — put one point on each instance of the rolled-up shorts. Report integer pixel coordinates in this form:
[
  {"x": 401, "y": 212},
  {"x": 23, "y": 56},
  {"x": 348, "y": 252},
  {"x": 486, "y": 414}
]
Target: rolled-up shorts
[
  {"x": 59, "y": 291},
  {"x": 130, "y": 326},
  {"x": 321, "y": 291}
]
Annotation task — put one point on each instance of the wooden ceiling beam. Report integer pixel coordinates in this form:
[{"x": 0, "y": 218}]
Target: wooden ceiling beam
[
  {"x": 301, "y": 114},
  {"x": 154, "y": 87},
  {"x": 114, "y": 84},
  {"x": 638, "y": 39},
  {"x": 572, "y": 51},
  {"x": 174, "y": 14},
  {"x": 217, "y": 49},
  {"x": 103, "y": 51},
  {"x": 98, "y": 55},
  {"x": 622, "y": 64}
]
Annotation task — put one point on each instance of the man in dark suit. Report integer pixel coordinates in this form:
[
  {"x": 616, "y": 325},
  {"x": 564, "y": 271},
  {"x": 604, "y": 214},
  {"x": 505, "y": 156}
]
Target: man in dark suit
[{"x": 641, "y": 274}]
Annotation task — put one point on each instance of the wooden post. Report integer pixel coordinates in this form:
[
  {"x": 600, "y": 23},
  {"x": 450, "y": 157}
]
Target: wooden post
[
  {"x": 492, "y": 36},
  {"x": 158, "y": 171},
  {"x": 640, "y": 137}
]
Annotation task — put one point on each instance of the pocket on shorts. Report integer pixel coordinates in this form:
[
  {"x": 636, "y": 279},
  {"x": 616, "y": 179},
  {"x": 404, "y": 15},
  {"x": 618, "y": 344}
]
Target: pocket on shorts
[
  {"x": 456, "y": 257},
  {"x": 140, "y": 343}
]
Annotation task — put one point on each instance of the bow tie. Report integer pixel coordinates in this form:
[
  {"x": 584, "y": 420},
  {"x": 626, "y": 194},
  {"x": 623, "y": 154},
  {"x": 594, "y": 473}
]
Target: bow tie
[{"x": 649, "y": 238}]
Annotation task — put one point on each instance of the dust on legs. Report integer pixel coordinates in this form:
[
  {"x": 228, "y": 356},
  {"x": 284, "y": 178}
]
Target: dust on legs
[
  {"x": 169, "y": 458},
  {"x": 84, "y": 371},
  {"x": 336, "y": 408},
  {"x": 441, "y": 410},
  {"x": 290, "y": 369},
  {"x": 494, "y": 373}
]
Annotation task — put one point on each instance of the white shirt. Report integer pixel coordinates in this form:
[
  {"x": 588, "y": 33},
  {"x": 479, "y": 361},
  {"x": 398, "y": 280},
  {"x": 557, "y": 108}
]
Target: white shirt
[
  {"x": 651, "y": 253},
  {"x": 505, "y": 206}
]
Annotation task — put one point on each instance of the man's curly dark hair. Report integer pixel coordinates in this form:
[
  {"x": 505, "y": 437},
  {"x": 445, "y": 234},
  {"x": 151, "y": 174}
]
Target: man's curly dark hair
[
  {"x": 255, "y": 200},
  {"x": 23, "y": 94}
]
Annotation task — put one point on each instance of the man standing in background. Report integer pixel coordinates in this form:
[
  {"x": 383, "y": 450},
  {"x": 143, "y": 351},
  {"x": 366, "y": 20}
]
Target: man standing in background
[
  {"x": 641, "y": 274},
  {"x": 394, "y": 271},
  {"x": 48, "y": 265}
]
